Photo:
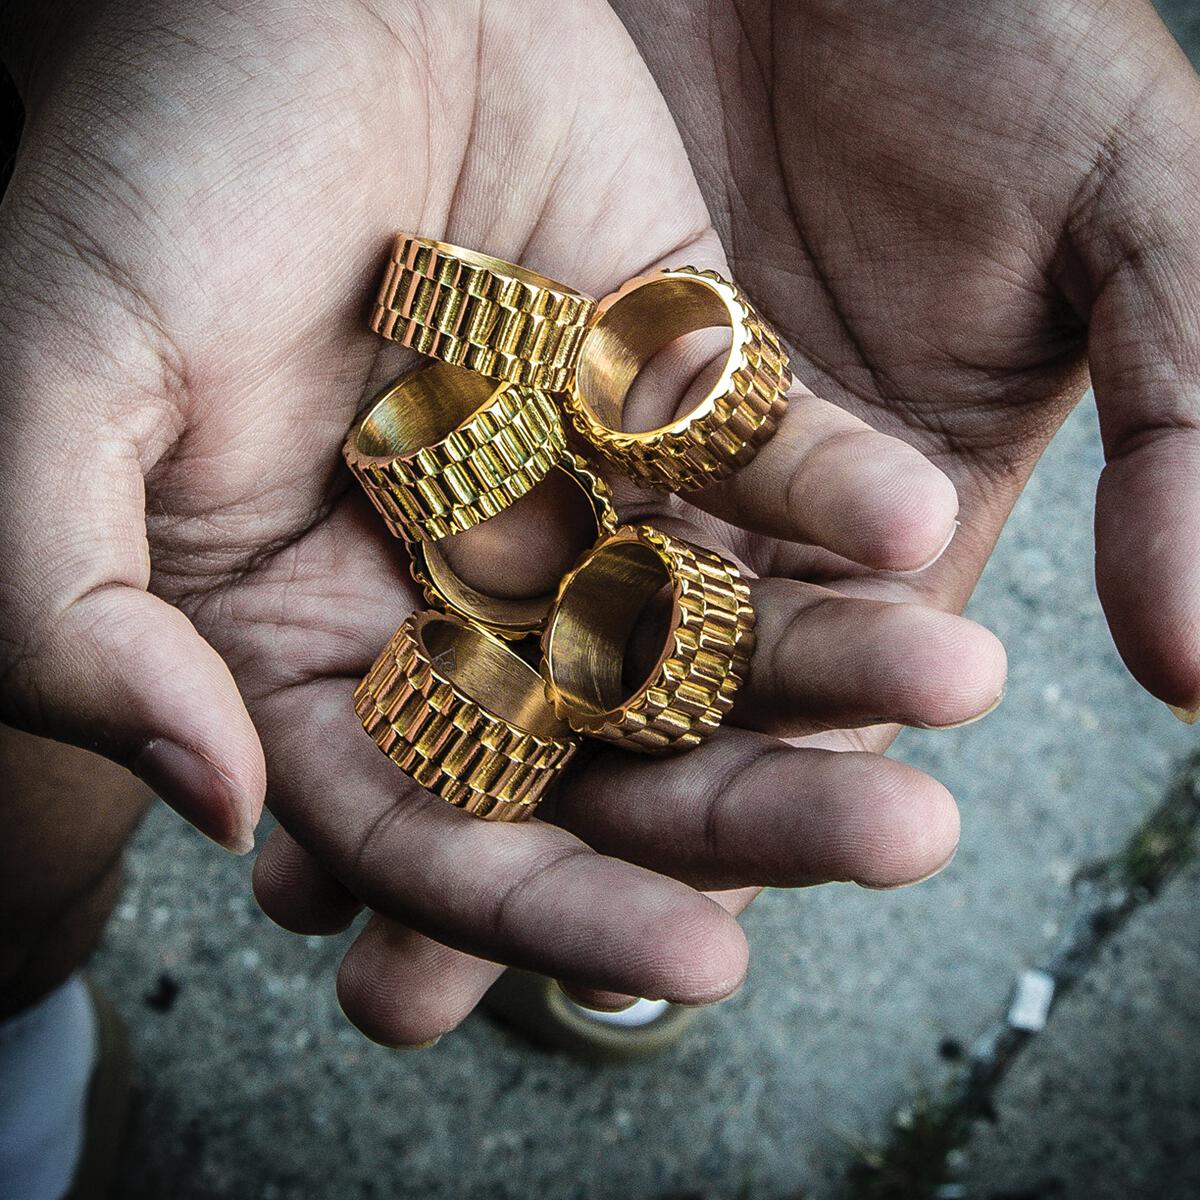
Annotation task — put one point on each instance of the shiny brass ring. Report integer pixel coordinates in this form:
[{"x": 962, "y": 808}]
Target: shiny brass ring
[
  {"x": 507, "y": 618},
  {"x": 475, "y": 311},
  {"x": 731, "y": 423},
  {"x": 443, "y": 449},
  {"x": 463, "y": 716},
  {"x": 705, "y": 652}
]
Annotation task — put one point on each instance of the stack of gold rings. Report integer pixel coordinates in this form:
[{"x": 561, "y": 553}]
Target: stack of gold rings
[{"x": 531, "y": 378}]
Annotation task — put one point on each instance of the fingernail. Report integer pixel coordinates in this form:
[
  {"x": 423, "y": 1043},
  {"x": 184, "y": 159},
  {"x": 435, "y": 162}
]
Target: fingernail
[
  {"x": 199, "y": 792},
  {"x": 405, "y": 1049},
  {"x": 926, "y": 565},
  {"x": 590, "y": 1001},
  {"x": 1189, "y": 716},
  {"x": 733, "y": 992},
  {"x": 895, "y": 887},
  {"x": 991, "y": 708}
]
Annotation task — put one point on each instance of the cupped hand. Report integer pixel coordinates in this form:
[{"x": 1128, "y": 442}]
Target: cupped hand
[
  {"x": 952, "y": 215},
  {"x": 190, "y": 240}
]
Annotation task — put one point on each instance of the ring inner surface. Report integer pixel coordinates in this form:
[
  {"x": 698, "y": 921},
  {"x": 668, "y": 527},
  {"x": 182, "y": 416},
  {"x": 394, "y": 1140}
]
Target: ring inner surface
[
  {"x": 421, "y": 409},
  {"x": 628, "y": 335},
  {"x": 493, "y": 676},
  {"x": 503, "y": 610},
  {"x": 595, "y": 623},
  {"x": 512, "y": 611}
]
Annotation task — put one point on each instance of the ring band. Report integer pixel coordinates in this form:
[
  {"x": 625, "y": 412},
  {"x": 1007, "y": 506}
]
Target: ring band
[
  {"x": 463, "y": 716},
  {"x": 479, "y": 312},
  {"x": 443, "y": 449},
  {"x": 506, "y": 618},
  {"x": 721, "y": 434},
  {"x": 706, "y": 646}
]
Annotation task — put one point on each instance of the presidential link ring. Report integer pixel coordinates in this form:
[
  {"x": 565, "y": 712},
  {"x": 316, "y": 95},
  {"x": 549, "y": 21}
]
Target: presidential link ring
[
  {"x": 443, "y": 449},
  {"x": 463, "y": 716},
  {"x": 479, "y": 312},
  {"x": 727, "y": 428},
  {"x": 704, "y": 641},
  {"x": 503, "y": 616}
]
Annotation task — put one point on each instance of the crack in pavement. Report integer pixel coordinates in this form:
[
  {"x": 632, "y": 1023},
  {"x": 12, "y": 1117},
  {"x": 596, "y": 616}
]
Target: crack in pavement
[{"x": 929, "y": 1136}]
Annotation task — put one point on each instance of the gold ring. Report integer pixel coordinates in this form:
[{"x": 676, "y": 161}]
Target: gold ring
[
  {"x": 727, "y": 428},
  {"x": 507, "y": 618},
  {"x": 479, "y": 312},
  {"x": 706, "y": 645},
  {"x": 443, "y": 449},
  {"x": 456, "y": 710}
]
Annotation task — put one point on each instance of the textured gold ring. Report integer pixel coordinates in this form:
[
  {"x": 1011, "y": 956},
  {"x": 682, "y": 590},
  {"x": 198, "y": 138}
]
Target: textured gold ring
[
  {"x": 507, "y": 617},
  {"x": 480, "y": 312},
  {"x": 443, "y": 449},
  {"x": 733, "y": 421},
  {"x": 462, "y": 715},
  {"x": 705, "y": 646}
]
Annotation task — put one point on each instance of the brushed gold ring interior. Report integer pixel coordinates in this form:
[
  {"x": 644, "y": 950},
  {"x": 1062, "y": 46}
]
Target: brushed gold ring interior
[
  {"x": 495, "y": 678},
  {"x": 420, "y": 410},
  {"x": 587, "y": 642},
  {"x": 508, "y": 617},
  {"x": 627, "y": 333}
]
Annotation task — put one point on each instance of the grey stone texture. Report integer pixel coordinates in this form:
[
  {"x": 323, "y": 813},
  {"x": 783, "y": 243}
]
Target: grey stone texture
[
  {"x": 1106, "y": 1103},
  {"x": 250, "y": 1083}
]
